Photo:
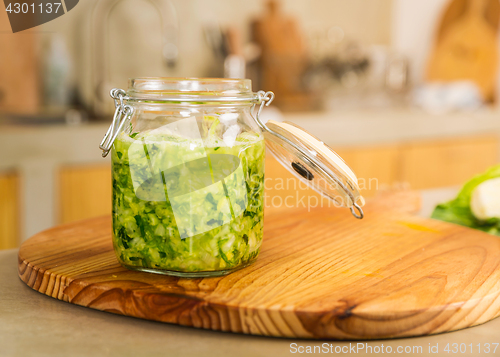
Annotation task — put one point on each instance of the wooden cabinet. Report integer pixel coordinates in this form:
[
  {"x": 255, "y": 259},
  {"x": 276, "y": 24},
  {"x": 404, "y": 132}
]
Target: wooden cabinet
[
  {"x": 421, "y": 165},
  {"x": 9, "y": 210},
  {"x": 84, "y": 192},
  {"x": 376, "y": 167},
  {"x": 446, "y": 162}
]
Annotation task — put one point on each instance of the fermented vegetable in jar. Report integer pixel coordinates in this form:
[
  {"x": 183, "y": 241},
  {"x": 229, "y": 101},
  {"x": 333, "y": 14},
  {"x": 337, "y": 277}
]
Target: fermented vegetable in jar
[
  {"x": 188, "y": 160},
  {"x": 218, "y": 227}
]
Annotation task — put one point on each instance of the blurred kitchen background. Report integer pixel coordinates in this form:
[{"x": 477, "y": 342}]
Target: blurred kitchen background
[{"x": 405, "y": 91}]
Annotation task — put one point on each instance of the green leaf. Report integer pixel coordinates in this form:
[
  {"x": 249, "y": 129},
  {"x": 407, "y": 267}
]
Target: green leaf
[
  {"x": 210, "y": 198},
  {"x": 140, "y": 224},
  {"x": 458, "y": 210}
]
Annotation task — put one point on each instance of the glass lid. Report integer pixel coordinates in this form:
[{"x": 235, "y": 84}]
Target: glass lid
[{"x": 312, "y": 161}]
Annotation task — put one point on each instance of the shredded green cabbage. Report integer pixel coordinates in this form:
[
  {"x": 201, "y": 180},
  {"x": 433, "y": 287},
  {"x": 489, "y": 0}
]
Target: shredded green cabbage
[{"x": 183, "y": 225}]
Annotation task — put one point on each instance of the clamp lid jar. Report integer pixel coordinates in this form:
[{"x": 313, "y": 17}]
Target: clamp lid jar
[{"x": 188, "y": 173}]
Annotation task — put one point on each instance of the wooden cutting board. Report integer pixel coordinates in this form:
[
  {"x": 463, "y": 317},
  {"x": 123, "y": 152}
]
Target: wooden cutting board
[
  {"x": 19, "y": 69},
  {"x": 320, "y": 274},
  {"x": 466, "y": 45}
]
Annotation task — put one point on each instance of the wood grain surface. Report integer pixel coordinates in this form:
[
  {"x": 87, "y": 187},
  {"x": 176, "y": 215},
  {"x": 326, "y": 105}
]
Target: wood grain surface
[
  {"x": 9, "y": 210},
  {"x": 321, "y": 274},
  {"x": 19, "y": 69},
  {"x": 284, "y": 58},
  {"x": 84, "y": 192},
  {"x": 466, "y": 45}
]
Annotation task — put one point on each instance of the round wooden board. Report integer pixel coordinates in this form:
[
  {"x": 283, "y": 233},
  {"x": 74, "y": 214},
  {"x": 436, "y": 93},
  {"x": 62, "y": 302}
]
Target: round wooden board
[{"x": 320, "y": 274}]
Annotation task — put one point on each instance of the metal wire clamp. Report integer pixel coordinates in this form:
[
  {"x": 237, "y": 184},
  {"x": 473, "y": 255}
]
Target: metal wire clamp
[
  {"x": 264, "y": 99},
  {"x": 122, "y": 113}
]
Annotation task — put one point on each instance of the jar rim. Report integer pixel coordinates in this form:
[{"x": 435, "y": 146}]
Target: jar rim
[{"x": 190, "y": 89}]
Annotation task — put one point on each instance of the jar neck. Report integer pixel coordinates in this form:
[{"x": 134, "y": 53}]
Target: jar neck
[
  {"x": 213, "y": 91},
  {"x": 194, "y": 101}
]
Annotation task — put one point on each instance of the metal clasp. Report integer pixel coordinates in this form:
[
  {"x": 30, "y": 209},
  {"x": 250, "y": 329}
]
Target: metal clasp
[
  {"x": 265, "y": 99},
  {"x": 122, "y": 113},
  {"x": 360, "y": 213}
]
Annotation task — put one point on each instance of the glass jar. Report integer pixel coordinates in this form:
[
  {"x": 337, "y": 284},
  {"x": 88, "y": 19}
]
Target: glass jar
[{"x": 188, "y": 174}]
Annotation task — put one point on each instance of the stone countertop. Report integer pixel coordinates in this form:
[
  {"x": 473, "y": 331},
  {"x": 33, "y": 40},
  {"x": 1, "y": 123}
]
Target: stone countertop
[
  {"x": 32, "y": 324},
  {"x": 375, "y": 127}
]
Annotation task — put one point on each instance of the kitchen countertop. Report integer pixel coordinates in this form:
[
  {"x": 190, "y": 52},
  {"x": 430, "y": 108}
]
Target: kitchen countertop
[
  {"x": 35, "y": 324},
  {"x": 388, "y": 126}
]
